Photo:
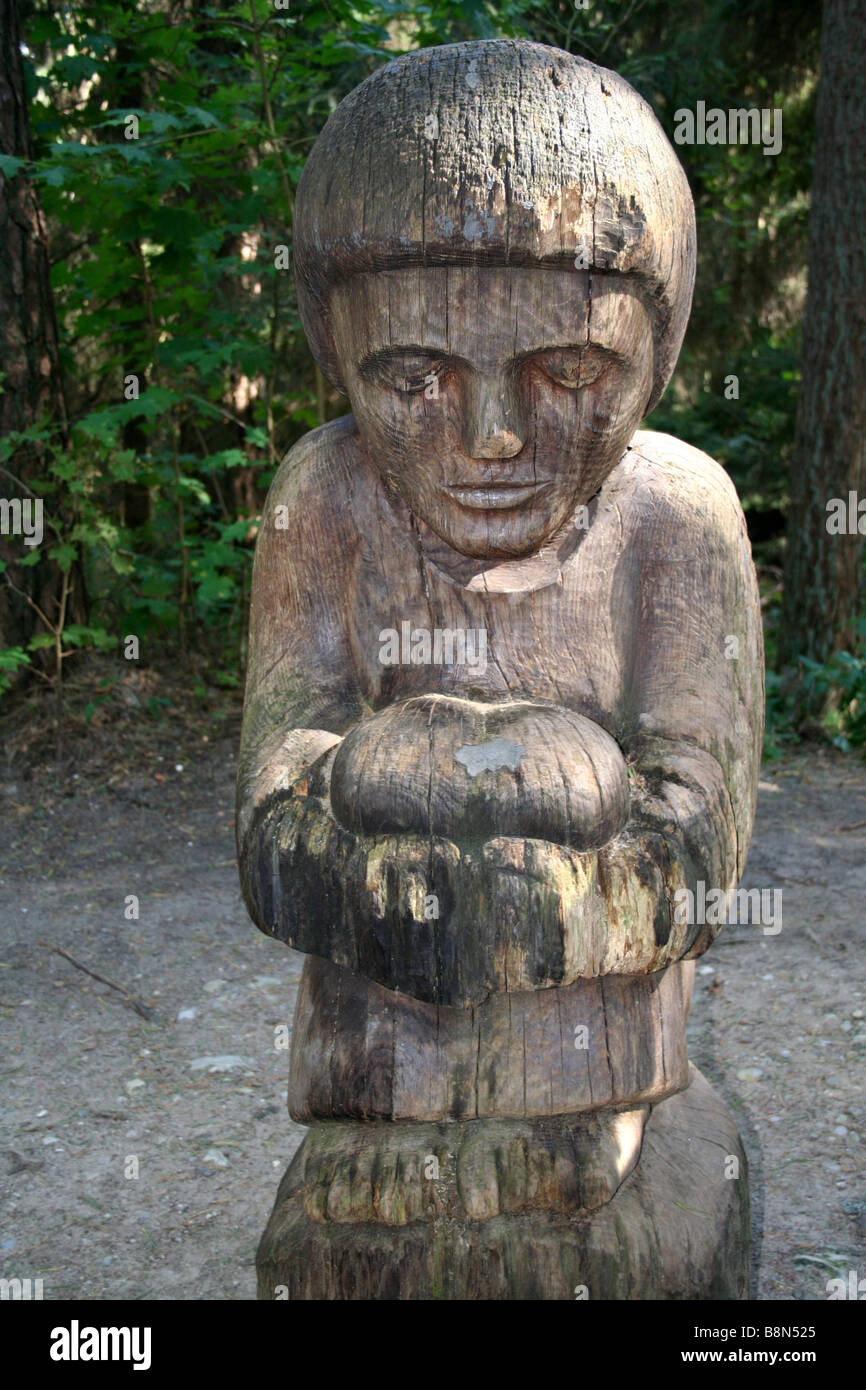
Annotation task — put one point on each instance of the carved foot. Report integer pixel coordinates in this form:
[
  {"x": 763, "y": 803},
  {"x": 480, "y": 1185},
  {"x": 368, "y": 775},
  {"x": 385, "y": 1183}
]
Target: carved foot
[{"x": 637, "y": 1203}]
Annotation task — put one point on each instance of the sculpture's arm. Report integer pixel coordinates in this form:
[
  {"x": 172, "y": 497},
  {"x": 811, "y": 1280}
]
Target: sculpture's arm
[
  {"x": 694, "y": 741},
  {"x": 301, "y": 692},
  {"x": 304, "y": 875}
]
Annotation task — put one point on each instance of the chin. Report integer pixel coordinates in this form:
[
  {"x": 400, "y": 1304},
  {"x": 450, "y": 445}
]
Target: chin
[{"x": 491, "y": 536}]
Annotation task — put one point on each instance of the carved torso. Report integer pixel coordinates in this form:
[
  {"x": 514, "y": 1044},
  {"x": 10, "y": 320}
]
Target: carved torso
[{"x": 504, "y": 703}]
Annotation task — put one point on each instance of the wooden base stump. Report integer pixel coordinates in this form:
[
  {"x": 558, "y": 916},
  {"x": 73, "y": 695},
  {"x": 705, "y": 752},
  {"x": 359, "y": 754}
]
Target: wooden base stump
[{"x": 640, "y": 1202}]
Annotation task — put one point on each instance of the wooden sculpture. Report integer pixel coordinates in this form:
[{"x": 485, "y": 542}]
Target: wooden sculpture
[{"x": 504, "y": 706}]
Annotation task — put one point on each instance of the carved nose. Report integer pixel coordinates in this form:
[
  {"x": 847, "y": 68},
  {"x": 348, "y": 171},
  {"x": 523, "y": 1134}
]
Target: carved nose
[{"x": 492, "y": 427}]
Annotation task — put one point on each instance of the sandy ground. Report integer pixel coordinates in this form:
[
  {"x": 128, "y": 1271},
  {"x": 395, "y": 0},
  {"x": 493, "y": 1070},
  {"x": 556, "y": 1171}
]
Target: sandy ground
[{"x": 139, "y": 1156}]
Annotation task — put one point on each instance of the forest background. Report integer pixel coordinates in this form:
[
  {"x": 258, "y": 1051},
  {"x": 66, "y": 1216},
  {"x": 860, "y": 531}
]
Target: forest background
[{"x": 154, "y": 372}]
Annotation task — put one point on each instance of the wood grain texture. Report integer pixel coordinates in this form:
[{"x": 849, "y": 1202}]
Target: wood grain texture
[
  {"x": 400, "y": 1174},
  {"x": 362, "y": 1052},
  {"x": 464, "y": 771},
  {"x": 356, "y": 1217},
  {"x": 649, "y": 595},
  {"x": 483, "y": 844},
  {"x": 503, "y": 151}
]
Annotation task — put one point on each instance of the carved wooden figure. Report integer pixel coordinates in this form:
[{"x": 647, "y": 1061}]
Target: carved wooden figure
[{"x": 504, "y": 706}]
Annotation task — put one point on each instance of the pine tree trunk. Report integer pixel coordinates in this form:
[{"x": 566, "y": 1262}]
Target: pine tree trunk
[
  {"x": 29, "y": 357},
  {"x": 822, "y": 568}
]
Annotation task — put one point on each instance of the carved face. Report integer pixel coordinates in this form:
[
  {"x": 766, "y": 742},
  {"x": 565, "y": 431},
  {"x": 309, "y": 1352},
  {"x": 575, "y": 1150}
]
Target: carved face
[{"x": 494, "y": 400}]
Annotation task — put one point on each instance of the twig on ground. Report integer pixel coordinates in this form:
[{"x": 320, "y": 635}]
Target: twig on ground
[{"x": 142, "y": 1009}]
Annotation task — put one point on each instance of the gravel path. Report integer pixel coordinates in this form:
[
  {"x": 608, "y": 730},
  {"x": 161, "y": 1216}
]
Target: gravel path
[{"x": 140, "y": 1150}]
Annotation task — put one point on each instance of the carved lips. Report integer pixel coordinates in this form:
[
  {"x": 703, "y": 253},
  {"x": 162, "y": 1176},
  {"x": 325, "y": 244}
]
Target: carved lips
[{"x": 495, "y": 496}]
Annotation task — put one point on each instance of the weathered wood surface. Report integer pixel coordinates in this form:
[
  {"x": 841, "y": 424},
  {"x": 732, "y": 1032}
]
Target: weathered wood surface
[
  {"x": 363, "y": 1052},
  {"x": 386, "y": 1174},
  {"x": 504, "y": 703},
  {"x": 528, "y": 770},
  {"x": 356, "y": 1217},
  {"x": 502, "y": 151},
  {"x": 648, "y": 597},
  {"x": 490, "y": 480}
]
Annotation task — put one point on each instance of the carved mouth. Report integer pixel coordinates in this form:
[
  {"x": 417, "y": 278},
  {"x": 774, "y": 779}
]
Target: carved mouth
[{"x": 494, "y": 496}]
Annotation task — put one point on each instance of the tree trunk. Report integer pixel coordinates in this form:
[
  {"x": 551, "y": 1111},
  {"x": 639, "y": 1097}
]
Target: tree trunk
[
  {"x": 822, "y": 568},
  {"x": 29, "y": 357}
]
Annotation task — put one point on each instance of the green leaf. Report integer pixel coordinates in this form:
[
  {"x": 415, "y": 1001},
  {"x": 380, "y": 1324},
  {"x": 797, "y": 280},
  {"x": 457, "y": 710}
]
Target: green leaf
[
  {"x": 11, "y": 658},
  {"x": 52, "y": 174},
  {"x": 75, "y": 635},
  {"x": 64, "y": 555}
]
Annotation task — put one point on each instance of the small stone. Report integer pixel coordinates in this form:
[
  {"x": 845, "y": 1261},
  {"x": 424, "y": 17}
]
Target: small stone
[
  {"x": 842, "y": 1119},
  {"x": 749, "y": 1074},
  {"x": 185, "y": 1014},
  {"x": 214, "y": 1156},
  {"x": 213, "y": 985},
  {"x": 706, "y": 970},
  {"x": 224, "y": 1062},
  {"x": 840, "y": 1131},
  {"x": 135, "y": 1084}
]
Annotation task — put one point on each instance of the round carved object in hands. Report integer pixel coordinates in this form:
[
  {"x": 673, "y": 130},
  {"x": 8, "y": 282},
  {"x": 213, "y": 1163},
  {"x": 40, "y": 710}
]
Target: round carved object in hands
[{"x": 468, "y": 772}]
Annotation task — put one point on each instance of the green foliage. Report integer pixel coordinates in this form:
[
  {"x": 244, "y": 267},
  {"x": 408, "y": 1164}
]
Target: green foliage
[
  {"x": 187, "y": 374},
  {"x": 186, "y": 371},
  {"x": 840, "y": 687},
  {"x": 11, "y": 660},
  {"x": 836, "y": 687}
]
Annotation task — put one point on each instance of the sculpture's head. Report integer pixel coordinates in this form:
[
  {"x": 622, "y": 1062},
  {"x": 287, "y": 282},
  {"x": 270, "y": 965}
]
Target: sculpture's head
[{"x": 495, "y": 248}]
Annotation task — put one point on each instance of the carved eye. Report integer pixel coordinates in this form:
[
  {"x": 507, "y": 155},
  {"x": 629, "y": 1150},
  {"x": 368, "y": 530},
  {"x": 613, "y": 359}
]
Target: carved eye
[
  {"x": 407, "y": 371},
  {"x": 573, "y": 368}
]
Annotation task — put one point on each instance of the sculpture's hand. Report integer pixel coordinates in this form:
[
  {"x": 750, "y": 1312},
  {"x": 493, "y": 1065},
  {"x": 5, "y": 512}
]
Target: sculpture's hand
[
  {"x": 469, "y": 772},
  {"x": 450, "y": 919}
]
